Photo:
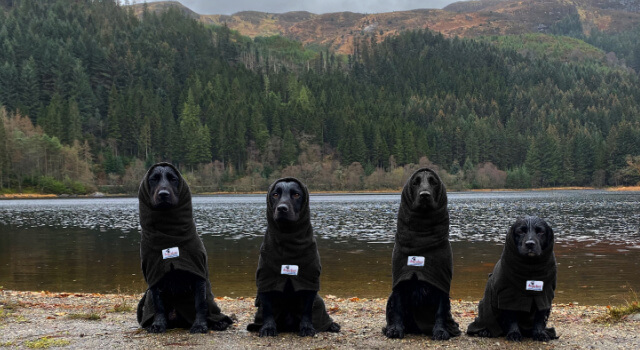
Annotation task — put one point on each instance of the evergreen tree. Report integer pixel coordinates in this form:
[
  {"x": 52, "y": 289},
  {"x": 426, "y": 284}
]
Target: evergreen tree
[
  {"x": 113, "y": 117},
  {"x": 3, "y": 150},
  {"x": 74, "y": 126},
  {"x": 29, "y": 89},
  {"x": 289, "y": 152},
  {"x": 191, "y": 130},
  {"x": 52, "y": 120}
]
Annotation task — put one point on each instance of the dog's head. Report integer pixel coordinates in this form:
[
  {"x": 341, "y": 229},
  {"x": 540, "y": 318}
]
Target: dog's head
[
  {"x": 164, "y": 187},
  {"x": 531, "y": 236},
  {"x": 426, "y": 190},
  {"x": 286, "y": 199}
]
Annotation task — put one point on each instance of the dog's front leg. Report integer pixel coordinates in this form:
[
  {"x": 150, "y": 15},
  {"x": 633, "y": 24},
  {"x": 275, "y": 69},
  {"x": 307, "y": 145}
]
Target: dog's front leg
[
  {"x": 395, "y": 320},
  {"x": 306, "y": 321},
  {"x": 159, "y": 324},
  {"x": 511, "y": 325},
  {"x": 444, "y": 308},
  {"x": 200, "y": 296},
  {"x": 269, "y": 327},
  {"x": 539, "y": 325}
]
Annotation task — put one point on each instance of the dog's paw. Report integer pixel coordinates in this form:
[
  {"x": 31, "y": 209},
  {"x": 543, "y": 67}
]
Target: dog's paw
[
  {"x": 268, "y": 330},
  {"x": 306, "y": 329},
  {"x": 440, "y": 334},
  {"x": 394, "y": 331},
  {"x": 540, "y": 336},
  {"x": 157, "y": 328},
  {"x": 220, "y": 325},
  {"x": 199, "y": 328},
  {"x": 484, "y": 334},
  {"x": 514, "y": 336},
  {"x": 334, "y": 328}
]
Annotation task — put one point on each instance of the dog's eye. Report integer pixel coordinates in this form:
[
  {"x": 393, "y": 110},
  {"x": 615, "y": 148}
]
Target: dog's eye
[
  {"x": 417, "y": 181},
  {"x": 433, "y": 181},
  {"x": 275, "y": 195},
  {"x": 296, "y": 195},
  {"x": 522, "y": 230}
]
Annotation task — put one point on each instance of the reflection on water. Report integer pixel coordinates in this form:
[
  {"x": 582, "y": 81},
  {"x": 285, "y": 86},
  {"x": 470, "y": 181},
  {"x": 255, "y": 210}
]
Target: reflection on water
[{"x": 92, "y": 244}]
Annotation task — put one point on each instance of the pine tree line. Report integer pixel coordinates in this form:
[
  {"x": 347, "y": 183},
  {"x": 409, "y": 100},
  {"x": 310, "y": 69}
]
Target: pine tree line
[{"x": 136, "y": 90}]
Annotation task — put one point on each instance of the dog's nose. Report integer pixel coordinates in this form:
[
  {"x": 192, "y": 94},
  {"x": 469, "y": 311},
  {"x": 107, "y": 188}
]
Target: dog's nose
[
  {"x": 425, "y": 194},
  {"x": 283, "y": 208},
  {"x": 163, "y": 193},
  {"x": 530, "y": 244}
]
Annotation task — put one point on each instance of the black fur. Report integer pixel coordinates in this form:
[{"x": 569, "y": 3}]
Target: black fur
[
  {"x": 427, "y": 199},
  {"x": 415, "y": 294},
  {"x": 531, "y": 236},
  {"x": 425, "y": 186},
  {"x": 163, "y": 184},
  {"x": 287, "y": 198},
  {"x": 176, "y": 284}
]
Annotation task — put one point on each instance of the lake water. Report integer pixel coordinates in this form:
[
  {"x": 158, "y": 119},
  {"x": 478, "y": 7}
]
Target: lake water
[{"x": 91, "y": 245}]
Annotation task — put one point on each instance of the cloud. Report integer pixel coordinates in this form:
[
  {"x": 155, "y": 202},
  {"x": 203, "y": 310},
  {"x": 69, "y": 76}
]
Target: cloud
[{"x": 220, "y": 7}]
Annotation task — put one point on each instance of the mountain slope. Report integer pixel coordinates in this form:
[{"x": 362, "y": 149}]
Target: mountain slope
[{"x": 338, "y": 31}]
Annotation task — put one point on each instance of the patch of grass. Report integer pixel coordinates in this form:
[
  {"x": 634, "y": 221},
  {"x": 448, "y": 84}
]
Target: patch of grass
[
  {"x": 8, "y": 306},
  {"x": 45, "y": 342},
  {"x": 7, "y": 344},
  {"x": 89, "y": 316},
  {"x": 21, "y": 319},
  {"x": 617, "y": 313},
  {"x": 122, "y": 307}
]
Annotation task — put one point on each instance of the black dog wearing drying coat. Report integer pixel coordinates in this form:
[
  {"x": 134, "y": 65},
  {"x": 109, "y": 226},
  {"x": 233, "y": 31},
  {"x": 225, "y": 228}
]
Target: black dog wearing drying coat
[
  {"x": 422, "y": 262},
  {"x": 288, "y": 275},
  {"x": 518, "y": 295},
  {"x": 174, "y": 260}
]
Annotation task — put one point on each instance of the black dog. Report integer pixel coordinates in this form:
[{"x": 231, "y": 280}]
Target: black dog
[
  {"x": 524, "y": 281},
  {"x": 422, "y": 262},
  {"x": 163, "y": 182},
  {"x": 173, "y": 258},
  {"x": 289, "y": 267}
]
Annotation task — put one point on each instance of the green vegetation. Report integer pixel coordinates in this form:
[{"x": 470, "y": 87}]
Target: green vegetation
[
  {"x": 618, "y": 313},
  {"x": 122, "y": 307},
  {"x": 89, "y": 316},
  {"x": 93, "y": 95},
  {"x": 557, "y": 48},
  {"x": 45, "y": 342}
]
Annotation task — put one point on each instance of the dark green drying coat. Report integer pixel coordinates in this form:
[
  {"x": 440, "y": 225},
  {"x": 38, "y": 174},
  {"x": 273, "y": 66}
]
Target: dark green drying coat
[
  {"x": 173, "y": 228},
  {"x": 425, "y": 234},
  {"x": 295, "y": 246},
  {"x": 506, "y": 289}
]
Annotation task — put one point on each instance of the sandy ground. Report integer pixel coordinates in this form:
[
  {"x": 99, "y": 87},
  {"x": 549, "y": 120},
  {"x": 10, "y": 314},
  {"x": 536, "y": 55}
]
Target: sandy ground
[{"x": 26, "y": 318}]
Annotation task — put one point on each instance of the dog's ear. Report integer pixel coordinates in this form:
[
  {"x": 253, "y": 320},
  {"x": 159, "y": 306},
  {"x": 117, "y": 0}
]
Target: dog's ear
[
  {"x": 548, "y": 235},
  {"x": 511, "y": 231}
]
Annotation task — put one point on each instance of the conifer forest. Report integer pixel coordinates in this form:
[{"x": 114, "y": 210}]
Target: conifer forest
[{"x": 92, "y": 94}]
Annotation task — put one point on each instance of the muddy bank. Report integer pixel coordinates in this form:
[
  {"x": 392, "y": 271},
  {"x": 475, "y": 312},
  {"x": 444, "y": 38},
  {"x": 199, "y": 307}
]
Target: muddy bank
[{"x": 74, "y": 320}]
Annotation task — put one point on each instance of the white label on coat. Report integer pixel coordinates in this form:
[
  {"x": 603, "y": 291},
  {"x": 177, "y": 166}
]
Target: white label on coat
[
  {"x": 170, "y": 253},
  {"x": 535, "y": 285},
  {"x": 289, "y": 270},
  {"x": 415, "y": 261}
]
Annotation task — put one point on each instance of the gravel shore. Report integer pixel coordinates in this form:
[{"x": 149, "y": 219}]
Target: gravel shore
[{"x": 90, "y": 321}]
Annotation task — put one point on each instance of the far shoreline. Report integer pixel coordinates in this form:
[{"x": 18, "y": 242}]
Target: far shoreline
[{"x": 9, "y": 196}]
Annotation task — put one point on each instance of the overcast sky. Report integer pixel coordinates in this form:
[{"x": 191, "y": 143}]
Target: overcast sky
[{"x": 226, "y": 7}]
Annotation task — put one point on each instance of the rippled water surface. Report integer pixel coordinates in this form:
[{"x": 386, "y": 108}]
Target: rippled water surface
[{"x": 92, "y": 244}]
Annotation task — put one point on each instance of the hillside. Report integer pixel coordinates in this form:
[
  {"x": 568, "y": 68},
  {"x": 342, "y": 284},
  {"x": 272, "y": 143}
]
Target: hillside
[
  {"x": 91, "y": 95},
  {"x": 338, "y": 31}
]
